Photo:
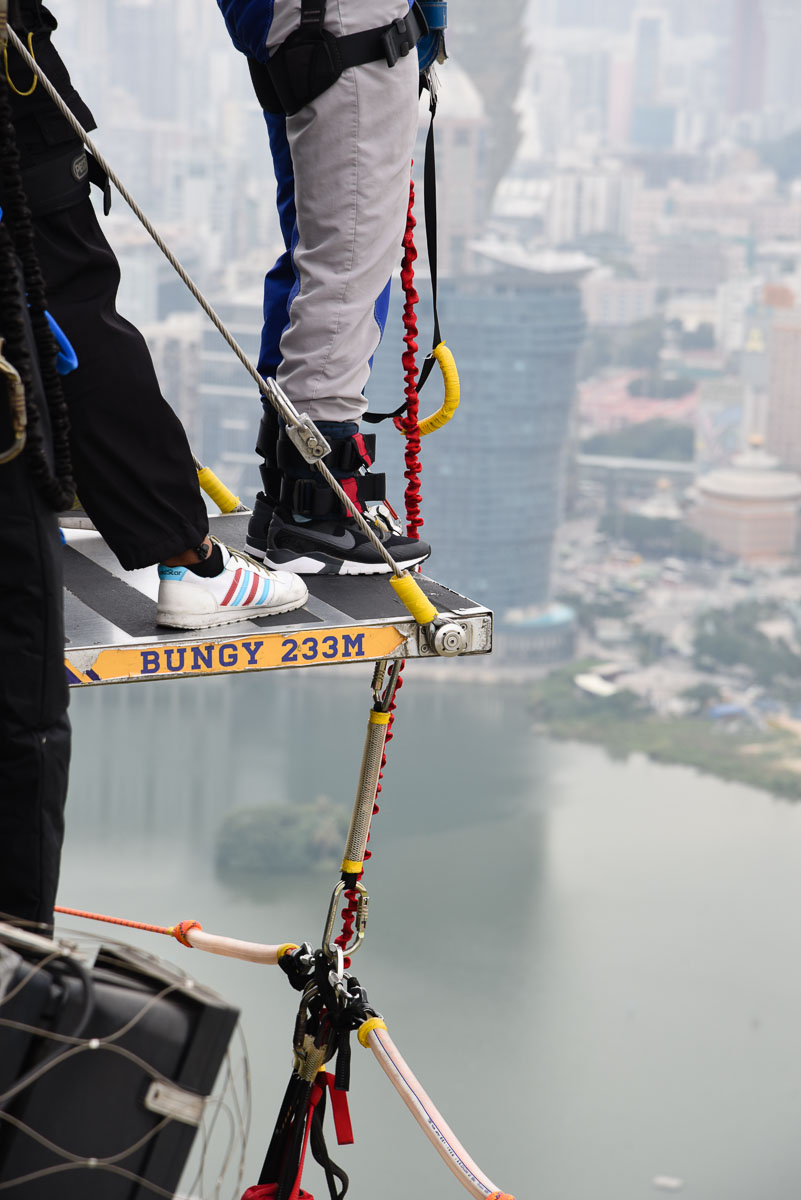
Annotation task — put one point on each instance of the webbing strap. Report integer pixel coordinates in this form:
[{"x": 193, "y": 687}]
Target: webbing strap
[{"x": 430, "y": 205}]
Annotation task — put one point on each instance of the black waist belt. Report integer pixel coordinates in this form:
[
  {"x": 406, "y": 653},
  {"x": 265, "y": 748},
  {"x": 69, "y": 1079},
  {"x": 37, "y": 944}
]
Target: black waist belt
[{"x": 312, "y": 59}]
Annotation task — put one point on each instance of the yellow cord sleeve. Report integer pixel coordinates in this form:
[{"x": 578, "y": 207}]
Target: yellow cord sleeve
[
  {"x": 378, "y": 718},
  {"x": 450, "y": 377},
  {"x": 415, "y": 599},
  {"x": 366, "y": 1029},
  {"x": 351, "y": 867},
  {"x": 216, "y": 490}
]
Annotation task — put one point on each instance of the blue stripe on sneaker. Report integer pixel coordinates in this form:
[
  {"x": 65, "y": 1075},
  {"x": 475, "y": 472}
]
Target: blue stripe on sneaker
[
  {"x": 244, "y": 588},
  {"x": 264, "y": 592}
]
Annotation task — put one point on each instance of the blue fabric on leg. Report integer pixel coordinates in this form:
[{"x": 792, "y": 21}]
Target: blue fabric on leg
[
  {"x": 281, "y": 282},
  {"x": 248, "y": 23}
]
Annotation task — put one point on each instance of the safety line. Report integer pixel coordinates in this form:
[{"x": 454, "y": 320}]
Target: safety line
[
  {"x": 192, "y": 935},
  {"x": 268, "y": 387}
]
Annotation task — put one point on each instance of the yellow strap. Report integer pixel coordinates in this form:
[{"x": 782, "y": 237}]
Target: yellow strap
[
  {"x": 414, "y": 598},
  {"x": 11, "y": 83},
  {"x": 285, "y": 949},
  {"x": 378, "y": 718},
  {"x": 351, "y": 867},
  {"x": 366, "y": 1029},
  {"x": 450, "y": 377},
  {"x": 216, "y": 490}
]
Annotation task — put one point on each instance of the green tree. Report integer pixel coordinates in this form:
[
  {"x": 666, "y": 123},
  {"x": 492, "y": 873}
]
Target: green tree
[{"x": 647, "y": 439}]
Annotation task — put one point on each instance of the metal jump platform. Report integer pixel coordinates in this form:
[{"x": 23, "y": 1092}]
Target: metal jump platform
[{"x": 112, "y": 636}]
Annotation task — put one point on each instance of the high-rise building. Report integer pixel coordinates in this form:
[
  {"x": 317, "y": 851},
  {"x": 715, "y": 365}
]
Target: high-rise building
[
  {"x": 492, "y": 479},
  {"x": 747, "y": 59},
  {"x": 783, "y": 432},
  {"x": 782, "y": 25}
]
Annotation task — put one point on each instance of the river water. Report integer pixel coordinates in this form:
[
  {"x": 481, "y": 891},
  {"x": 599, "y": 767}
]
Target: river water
[{"x": 592, "y": 966}]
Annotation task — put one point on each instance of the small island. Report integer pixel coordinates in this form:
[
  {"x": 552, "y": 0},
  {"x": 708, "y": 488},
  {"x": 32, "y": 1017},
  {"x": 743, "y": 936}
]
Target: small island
[{"x": 281, "y": 839}]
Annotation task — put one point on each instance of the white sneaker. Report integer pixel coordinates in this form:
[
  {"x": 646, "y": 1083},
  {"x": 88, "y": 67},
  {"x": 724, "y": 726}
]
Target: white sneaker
[{"x": 243, "y": 589}]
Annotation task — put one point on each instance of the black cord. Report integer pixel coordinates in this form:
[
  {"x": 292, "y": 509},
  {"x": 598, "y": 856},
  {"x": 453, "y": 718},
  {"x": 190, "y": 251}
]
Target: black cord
[{"x": 17, "y": 249}]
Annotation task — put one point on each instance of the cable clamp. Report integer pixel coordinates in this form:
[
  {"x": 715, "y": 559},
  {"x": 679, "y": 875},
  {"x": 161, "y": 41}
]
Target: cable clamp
[{"x": 307, "y": 439}]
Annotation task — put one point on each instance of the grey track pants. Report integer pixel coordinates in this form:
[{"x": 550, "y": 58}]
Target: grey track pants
[{"x": 351, "y": 151}]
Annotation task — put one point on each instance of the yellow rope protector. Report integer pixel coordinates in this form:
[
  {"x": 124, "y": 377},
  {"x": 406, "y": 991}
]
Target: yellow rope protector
[
  {"x": 414, "y": 598},
  {"x": 351, "y": 867},
  {"x": 450, "y": 377},
  {"x": 366, "y": 1029},
  {"x": 285, "y": 949},
  {"x": 216, "y": 490},
  {"x": 378, "y": 718}
]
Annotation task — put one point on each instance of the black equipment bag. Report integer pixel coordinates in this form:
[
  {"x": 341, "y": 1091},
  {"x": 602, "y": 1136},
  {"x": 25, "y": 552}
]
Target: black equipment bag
[{"x": 138, "y": 1046}]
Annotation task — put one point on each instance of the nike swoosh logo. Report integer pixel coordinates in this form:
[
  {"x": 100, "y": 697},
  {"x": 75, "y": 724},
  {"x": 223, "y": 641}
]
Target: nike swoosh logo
[{"x": 339, "y": 541}]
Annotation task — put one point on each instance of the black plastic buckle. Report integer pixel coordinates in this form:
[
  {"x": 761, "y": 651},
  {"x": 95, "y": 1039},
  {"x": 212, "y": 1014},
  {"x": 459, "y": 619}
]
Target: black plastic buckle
[{"x": 396, "y": 42}]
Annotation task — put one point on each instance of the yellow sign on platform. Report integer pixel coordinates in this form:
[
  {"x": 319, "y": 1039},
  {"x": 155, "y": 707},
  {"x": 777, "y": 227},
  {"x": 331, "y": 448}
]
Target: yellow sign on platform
[{"x": 251, "y": 653}]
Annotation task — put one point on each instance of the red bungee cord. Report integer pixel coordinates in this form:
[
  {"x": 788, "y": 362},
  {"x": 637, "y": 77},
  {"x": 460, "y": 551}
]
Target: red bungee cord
[{"x": 409, "y": 426}]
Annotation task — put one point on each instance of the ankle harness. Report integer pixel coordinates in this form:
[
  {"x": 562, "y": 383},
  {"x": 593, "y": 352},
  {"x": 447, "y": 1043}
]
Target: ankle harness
[
  {"x": 304, "y": 493},
  {"x": 312, "y": 59}
]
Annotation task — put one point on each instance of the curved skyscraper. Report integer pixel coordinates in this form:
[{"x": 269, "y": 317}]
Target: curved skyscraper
[{"x": 492, "y": 479}]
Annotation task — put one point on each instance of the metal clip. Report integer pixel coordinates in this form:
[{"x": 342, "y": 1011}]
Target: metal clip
[
  {"x": 16, "y": 404},
  {"x": 383, "y": 698},
  {"x": 307, "y": 439},
  {"x": 330, "y": 948}
]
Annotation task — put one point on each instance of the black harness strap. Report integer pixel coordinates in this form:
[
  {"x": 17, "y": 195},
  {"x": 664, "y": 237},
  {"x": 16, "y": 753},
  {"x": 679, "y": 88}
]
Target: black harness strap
[
  {"x": 430, "y": 204},
  {"x": 312, "y": 59}
]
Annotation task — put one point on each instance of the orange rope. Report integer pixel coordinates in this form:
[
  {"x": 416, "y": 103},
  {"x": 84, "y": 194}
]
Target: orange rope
[{"x": 178, "y": 931}]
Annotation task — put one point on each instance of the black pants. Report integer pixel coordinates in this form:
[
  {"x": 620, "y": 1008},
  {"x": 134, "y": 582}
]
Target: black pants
[
  {"x": 132, "y": 464},
  {"x": 34, "y": 727},
  {"x": 133, "y": 468}
]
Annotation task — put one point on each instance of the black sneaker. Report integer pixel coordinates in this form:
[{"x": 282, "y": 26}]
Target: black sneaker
[
  {"x": 339, "y": 547},
  {"x": 259, "y": 523}
]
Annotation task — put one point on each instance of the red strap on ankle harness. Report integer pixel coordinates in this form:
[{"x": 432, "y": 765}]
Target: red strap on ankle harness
[
  {"x": 362, "y": 448},
  {"x": 351, "y": 489}
]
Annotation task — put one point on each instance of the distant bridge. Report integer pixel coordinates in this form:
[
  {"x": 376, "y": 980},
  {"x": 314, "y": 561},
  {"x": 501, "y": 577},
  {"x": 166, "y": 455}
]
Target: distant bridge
[{"x": 612, "y": 470}]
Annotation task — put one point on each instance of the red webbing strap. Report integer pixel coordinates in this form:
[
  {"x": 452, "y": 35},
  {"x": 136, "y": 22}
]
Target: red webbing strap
[
  {"x": 340, "y": 1112},
  {"x": 268, "y": 1191}
]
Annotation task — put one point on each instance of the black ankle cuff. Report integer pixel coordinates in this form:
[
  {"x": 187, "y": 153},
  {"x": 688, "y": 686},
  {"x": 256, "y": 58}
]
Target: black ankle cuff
[{"x": 210, "y": 566}]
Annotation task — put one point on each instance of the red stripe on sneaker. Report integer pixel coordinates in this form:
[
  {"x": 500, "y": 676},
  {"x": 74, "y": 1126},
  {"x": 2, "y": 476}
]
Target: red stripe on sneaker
[
  {"x": 229, "y": 595},
  {"x": 254, "y": 587}
]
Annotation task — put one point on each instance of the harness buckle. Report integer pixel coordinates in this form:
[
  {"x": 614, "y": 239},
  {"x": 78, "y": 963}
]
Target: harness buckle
[{"x": 397, "y": 41}]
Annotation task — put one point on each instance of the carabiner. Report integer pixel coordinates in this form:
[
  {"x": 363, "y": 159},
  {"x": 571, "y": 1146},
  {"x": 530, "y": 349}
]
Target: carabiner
[
  {"x": 16, "y": 404},
  {"x": 330, "y": 948}
]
